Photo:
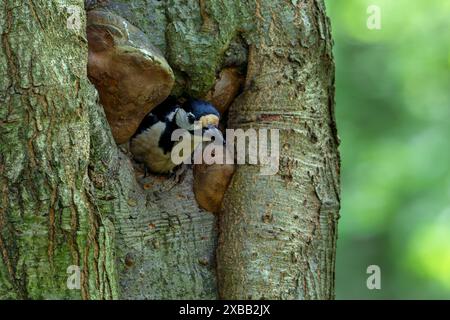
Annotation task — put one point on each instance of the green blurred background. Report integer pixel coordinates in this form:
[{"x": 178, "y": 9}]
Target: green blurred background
[{"x": 393, "y": 116}]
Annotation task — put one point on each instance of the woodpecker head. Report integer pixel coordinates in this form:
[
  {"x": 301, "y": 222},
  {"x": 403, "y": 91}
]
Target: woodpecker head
[{"x": 202, "y": 114}]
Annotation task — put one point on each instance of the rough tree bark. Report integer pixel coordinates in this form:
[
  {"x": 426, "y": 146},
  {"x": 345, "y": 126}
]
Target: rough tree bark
[
  {"x": 70, "y": 196},
  {"x": 49, "y": 218},
  {"x": 278, "y": 233}
]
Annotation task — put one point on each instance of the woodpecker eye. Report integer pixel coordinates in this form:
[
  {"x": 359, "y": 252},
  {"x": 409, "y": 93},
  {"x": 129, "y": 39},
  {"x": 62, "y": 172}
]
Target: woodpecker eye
[{"x": 191, "y": 117}]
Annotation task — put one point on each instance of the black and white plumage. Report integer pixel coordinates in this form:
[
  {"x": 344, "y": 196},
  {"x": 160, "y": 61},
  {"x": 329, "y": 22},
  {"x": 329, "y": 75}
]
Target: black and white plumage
[{"x": 152, "y": 143}]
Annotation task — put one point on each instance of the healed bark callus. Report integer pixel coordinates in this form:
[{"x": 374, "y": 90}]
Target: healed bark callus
[
  {"x": 210, "y": 184},
  {"x": 226, "y": 89},
  {"x": 130, "y": 74}
]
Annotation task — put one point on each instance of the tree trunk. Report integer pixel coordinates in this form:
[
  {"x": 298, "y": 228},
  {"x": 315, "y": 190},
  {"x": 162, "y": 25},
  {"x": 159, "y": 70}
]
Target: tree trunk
[
  {"x": 278, "y": 233},
  {"x": 69, "y": 195},
  {"x": 49, "y": 217}
]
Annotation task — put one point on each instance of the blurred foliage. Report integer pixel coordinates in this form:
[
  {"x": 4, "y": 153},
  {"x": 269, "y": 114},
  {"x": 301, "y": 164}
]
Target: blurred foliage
[{"x": 393, "y": 116}]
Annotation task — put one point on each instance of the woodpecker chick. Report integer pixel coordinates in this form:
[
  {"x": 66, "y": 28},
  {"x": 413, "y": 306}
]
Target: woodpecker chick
[{"x": 152, "y": 144}]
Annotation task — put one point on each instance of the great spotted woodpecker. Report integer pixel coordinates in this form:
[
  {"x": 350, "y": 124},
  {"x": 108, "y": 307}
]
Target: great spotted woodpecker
[{"x": 152, "y": 143}]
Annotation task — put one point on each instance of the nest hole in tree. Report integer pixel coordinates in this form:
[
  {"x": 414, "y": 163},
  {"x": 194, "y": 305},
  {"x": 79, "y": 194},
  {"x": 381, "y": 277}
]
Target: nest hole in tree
[{"x": 133, "y": 77}]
